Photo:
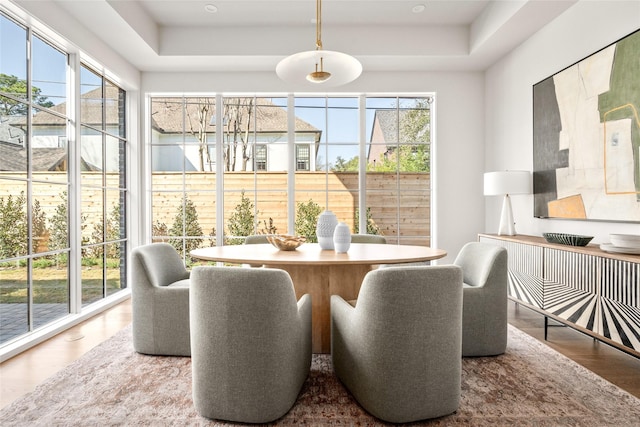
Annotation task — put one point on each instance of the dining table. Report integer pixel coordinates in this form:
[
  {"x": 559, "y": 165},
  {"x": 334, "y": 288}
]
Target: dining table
[{"x": 321, "y": 272}]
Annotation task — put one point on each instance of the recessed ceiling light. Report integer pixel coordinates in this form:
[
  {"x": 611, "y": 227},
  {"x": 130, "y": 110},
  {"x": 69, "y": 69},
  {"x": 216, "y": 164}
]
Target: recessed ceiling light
[
  {"x": 210, "y": 8},
  {"x": 419, "y": 8}
]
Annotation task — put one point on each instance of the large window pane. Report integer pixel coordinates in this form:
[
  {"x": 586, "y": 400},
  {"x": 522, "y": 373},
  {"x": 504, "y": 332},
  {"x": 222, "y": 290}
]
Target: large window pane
[
  {"x": 13, "y": 219},
  {"x": 14, "y": 155},
  {"x": 14, "y": 298},
  {"x": 49, "y": 148},
  {"x": 49, "y": 78},
  {"x": 114, "y": 104},
  {"x": 50, "y": 292},
  {"x": 13, "y": 59},
  {"x": 92, "y": 102}
]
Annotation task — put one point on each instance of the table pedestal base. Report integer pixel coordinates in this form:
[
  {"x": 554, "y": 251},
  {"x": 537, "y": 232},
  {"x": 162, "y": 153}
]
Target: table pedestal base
[{"x": 321, "y": 282}]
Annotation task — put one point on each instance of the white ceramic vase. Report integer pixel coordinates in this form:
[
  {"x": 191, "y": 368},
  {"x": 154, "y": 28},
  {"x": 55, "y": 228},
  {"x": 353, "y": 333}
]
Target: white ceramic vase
[
  {"x": 341, "y": 238},
  {"x": 327, "y": 222}
]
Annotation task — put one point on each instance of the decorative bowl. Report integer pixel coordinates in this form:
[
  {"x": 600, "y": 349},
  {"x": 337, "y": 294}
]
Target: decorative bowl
[
  {"x": 285, "y": 242},
  {"x": 567, "y": 239}
]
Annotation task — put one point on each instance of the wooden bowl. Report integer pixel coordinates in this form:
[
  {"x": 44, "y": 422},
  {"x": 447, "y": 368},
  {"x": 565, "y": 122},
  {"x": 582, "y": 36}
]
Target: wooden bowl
[{"x": 285, "y": 242}]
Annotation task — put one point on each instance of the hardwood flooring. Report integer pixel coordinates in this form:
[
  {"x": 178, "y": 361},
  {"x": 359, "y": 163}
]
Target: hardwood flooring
[{"x": 22, "y": 373}]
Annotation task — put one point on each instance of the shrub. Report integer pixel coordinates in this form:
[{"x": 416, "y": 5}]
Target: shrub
[
  {"x": 242, "y": 221},
  {"x": 307, "y": 219},
  {"x": 186, "y": 224},
  {"x": 372, "y": 228},
  {"x": 13, "y": 226}
]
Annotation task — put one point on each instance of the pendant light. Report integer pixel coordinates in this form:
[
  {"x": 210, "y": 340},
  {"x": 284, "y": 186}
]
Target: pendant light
[{"x": 310, "y": 66}]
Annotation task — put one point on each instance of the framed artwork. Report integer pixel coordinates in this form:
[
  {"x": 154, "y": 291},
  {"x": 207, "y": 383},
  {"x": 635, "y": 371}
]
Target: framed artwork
[{"x": 586, "y": 137}]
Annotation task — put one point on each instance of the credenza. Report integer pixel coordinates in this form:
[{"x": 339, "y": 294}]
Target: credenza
[{"x": 590, "y": 290}]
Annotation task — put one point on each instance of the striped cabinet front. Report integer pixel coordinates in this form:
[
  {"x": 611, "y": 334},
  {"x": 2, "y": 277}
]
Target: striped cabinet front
[
  {"x": 620, "y": 302},
  {"x": 525, "y": 271},
  {"x": 571, "y": 287}
]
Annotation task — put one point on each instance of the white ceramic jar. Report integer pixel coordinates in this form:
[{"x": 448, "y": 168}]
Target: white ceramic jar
[
  {"x": 327, "y": 222},
  {"x": 342, "y": 238}
]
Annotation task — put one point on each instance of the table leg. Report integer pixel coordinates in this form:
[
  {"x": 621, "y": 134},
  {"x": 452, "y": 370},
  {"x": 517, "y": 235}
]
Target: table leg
[{"x": 322, "y": 281}]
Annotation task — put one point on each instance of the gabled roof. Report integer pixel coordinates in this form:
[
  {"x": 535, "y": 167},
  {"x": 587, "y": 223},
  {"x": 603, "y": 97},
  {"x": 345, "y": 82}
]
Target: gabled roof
[{"x": 167, "y": 116}]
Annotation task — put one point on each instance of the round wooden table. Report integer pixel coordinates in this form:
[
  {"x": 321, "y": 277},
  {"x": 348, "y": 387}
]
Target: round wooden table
[{"x": 321, "y": 273}]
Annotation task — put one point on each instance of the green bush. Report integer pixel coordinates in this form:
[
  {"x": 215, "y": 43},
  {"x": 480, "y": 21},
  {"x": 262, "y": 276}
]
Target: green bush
[
  {"x": 242, "y": 221},
  {"x": 13, "y": 226},
  {"x": 186, "y": 224},
  {"x": 306, "y": 220},
  {"x": 372, "y": 228}
]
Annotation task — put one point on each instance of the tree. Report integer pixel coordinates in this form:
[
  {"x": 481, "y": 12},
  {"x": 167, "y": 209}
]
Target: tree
[
  {"x": 198, "y": 128},
  {"x": 412, "y": 154},
  {"x": 406, "y": 158},
  {"x": 237, "y": 118},
  {"x": 11, "y": 84},
  {"x": 343, "y": 165}
]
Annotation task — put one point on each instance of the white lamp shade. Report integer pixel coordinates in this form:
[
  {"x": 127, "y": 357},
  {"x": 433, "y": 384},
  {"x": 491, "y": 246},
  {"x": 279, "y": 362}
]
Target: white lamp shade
[
  {"x": 343, "y": 68},
  {"x": 507, "y": 182}
]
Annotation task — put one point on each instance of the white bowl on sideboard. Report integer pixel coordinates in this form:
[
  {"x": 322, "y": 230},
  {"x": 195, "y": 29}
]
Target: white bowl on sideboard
[{"x": 625, "y": 240}]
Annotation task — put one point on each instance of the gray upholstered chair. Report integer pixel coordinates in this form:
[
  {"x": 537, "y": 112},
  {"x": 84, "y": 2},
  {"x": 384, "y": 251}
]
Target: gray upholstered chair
[
  {"x": 368, "y": 238},
  {"x": 250, "y": 343},
  {"x": 398, "y": 351},
  {"x": 484, "y": 317},
  {"x": 160, "y": 301},
  {"x": 256, "y": 239}
]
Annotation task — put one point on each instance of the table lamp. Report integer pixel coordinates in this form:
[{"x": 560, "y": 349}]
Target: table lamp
[{"x": 504, "y": 183}]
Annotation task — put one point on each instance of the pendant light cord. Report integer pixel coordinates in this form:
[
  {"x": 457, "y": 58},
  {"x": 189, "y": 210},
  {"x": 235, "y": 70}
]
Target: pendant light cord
[{"x": 318, "y": 24}]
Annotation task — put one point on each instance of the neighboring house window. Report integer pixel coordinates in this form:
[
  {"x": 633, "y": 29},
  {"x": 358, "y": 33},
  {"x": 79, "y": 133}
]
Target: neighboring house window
[
  {"x": 261, "y": 157},
  {"x": 303, "y": 157}
]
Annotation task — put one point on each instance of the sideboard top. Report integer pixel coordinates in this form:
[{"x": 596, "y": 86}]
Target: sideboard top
[{"x": 591, "y": 249}]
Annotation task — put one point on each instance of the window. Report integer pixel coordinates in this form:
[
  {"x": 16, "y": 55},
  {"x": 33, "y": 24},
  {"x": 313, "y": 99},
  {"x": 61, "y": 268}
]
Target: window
[
  {"x": 302, "y": 157},
  {"x": 190, "y": 211},
  {"x": 260, "y": 157},
  {"x": 37, "y": 225}
]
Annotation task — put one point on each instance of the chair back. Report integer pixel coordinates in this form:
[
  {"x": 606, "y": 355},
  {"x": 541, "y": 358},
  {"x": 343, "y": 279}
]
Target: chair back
[
  {"x": 399, "y": 351},
  {"x": 483, "y": 264},
  {"x": 250, "y": 343},
  {"x": 256, "y": 239},
  {"x": 428, "y": 298},
  {"x": 158, "y": 263}
]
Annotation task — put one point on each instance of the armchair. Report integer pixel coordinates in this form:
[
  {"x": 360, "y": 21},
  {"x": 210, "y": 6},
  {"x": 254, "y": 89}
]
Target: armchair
[
  {"x": 250, "y": 343},
  {"x": 484, "y": 316},
  {"x": 160, "y": 301},
  {"x": 399, "y": 349}
]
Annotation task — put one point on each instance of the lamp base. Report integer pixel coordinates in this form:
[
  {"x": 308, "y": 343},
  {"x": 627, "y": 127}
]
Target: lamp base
[{"x": 507, "y": 226}]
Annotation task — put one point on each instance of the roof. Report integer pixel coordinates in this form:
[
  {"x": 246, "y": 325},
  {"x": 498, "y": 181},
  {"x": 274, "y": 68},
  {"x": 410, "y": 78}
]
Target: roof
[
  {"x": 14, "y": 158},
  {"x": 167, "y": 115}
]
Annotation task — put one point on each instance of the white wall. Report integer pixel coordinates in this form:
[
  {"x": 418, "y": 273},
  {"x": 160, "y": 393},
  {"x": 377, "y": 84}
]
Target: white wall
[
  {"x": 458, "y": 206},
  {"x": 582, "y": 30}
]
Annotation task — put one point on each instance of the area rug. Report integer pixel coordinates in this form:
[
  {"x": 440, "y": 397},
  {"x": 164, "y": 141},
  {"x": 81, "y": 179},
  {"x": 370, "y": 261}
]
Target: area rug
[{"x": 530, "y": 385}]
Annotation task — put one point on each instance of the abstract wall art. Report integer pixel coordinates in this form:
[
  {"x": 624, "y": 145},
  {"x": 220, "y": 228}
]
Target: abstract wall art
[{"x": 586, "y": 137}]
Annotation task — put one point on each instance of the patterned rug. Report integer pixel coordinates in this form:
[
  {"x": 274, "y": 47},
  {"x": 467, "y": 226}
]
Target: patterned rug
[{"x": 530, "y": 385}]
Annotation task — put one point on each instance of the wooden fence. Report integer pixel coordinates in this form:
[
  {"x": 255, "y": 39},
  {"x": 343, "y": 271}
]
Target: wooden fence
[{"x": 399, "y": 204}]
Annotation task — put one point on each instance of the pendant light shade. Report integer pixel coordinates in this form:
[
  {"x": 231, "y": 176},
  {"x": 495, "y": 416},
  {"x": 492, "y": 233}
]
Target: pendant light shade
[{"x": 319, "y": 66}]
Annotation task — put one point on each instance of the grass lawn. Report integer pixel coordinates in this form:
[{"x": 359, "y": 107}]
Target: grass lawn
[{"x": 50, "y": 285}]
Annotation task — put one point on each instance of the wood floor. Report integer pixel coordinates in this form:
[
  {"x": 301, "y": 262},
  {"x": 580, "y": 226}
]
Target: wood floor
[{"x": 22, "y": 373}]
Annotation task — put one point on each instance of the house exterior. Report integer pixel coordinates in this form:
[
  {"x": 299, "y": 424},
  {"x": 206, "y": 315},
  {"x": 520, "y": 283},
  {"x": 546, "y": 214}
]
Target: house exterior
[{"x": 254, "y": 136}]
